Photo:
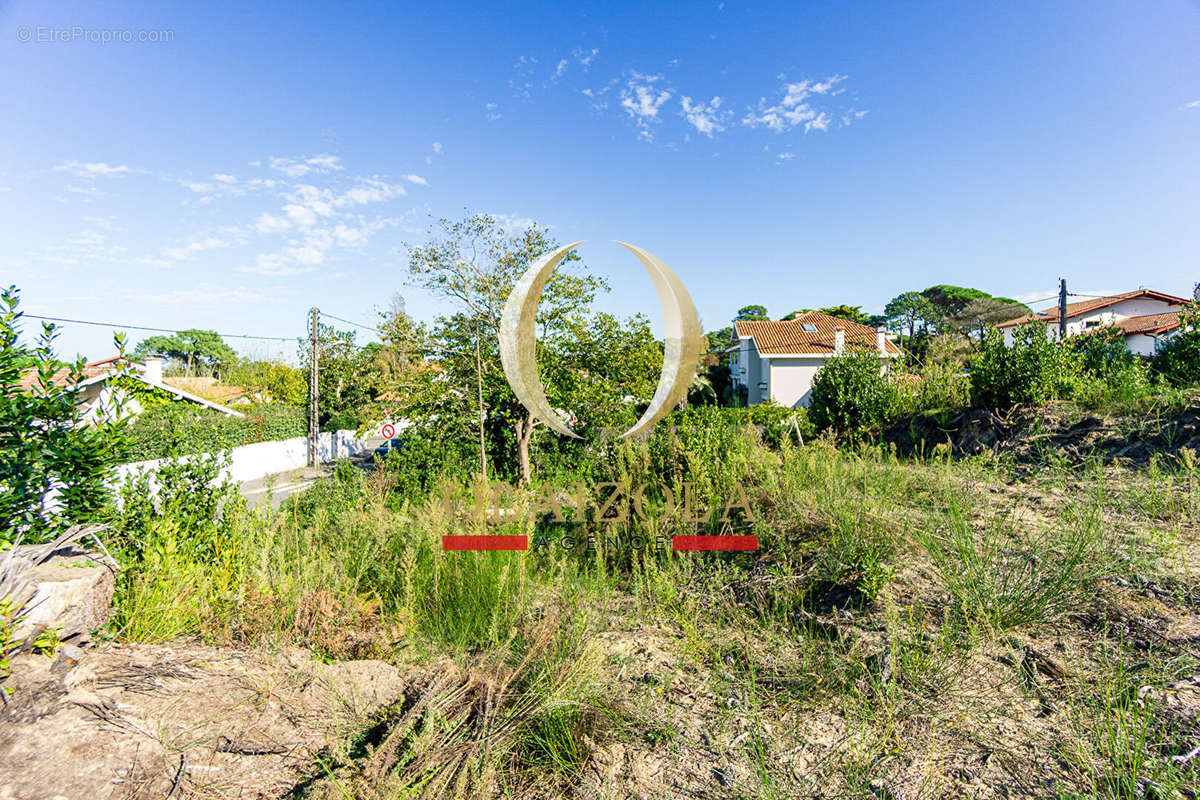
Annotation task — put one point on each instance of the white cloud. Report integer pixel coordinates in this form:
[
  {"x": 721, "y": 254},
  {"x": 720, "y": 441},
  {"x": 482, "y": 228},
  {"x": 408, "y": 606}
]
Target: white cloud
[
  {"x": 268, "y": 223},
  {"x": 585, "y": 57},
  {"x": 369, "y": 190},
  {"x": 437, "y": 147},
  {"x": 795, "y": 108},
  {"x": 786, "y": 156},
  {"x": 221, "y": 177},
  {"x": 300, "y": 215},
  {"x": 201, "y": 187},
  {"x": 194, "y": 248},
  {"x": 1193, "y": 104},
  {"x": 642, "y": 100},
  {"x": 91, "y": 170},
  {"x": 90, "y": 191},
  {"x": 490, "y": 113},
  {"x": 705, "y": 118},
  {"x": 417, "y": 179},
  {"x": 298, "y": 168}
]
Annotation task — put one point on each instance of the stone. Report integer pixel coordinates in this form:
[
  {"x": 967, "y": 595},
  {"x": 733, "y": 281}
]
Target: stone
[{"x": 70, "y": 592}]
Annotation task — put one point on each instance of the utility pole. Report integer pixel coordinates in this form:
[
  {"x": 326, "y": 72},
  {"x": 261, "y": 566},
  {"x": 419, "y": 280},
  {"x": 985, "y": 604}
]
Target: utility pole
[
  {"x": 313, "y": 431},
  {"x": 1062, "y": 309}
]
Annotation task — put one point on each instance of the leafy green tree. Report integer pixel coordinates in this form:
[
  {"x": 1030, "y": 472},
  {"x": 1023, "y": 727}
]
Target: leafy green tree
[
  {"x": 851, "y": 313},
  {"x": 347, "y": 378},
  {"x": 191, "y": 348},
  {"x": 908, "y": 310},
  {"x": 451, "y": 372},
  {"x": 45, "y": 442},
  {"x": 277, "y": 381},
  {"x": 981, "y": 312},
  {"x": 752, "y": 313}
]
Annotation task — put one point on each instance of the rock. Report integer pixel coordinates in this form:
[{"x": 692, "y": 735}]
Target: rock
[{"x": 70, "y": 592}]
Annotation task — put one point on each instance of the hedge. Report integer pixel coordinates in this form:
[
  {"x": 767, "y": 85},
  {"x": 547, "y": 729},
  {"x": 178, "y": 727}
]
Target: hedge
[{"x": 181, "y": 428}]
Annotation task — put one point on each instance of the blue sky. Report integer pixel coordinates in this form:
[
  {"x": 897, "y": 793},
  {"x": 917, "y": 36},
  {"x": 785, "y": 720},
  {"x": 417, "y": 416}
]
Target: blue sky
[{"x": 266, "y": 158}]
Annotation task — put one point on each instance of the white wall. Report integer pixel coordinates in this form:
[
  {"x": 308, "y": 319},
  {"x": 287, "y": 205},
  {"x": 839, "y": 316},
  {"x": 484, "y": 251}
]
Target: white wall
[
  {"x": 791, "y": 379},
  {"x": 252, "y": 461}
]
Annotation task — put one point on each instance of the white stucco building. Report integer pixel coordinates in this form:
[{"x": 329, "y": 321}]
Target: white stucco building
[
  {"x": 778, "y": 360},
  {"x": 1145, "y": 316}
]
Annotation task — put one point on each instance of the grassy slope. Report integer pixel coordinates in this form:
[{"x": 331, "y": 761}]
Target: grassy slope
[{"x": 908, "y": 629}]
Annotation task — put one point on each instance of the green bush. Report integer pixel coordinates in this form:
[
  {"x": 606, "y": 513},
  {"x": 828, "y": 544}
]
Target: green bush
[
  {"x": 1178, "y": 360},
  {"x": 181, "y": 428},
  {"x": 850, "y": 395},
  {"x": 45, "y": 442},
  {"x": 1034, "y": 370}
]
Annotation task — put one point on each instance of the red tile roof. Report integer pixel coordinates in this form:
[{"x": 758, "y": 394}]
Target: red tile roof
[
  {"x": 1149, "y": 323},
  {"x": 1084, "y": 306},
  {"x": 90, "y": 370},
  {"x": 789, "y": 336}
]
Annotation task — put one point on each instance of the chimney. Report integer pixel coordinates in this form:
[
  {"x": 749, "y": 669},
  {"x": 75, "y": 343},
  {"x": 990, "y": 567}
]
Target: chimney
[
  {"x": 153, "y": 370},
  {"x": 839, "y": 339},
  {"x": 881, "y": 341}
]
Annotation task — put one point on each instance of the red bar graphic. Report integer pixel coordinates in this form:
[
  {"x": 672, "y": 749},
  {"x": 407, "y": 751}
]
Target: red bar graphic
[
  {"x": 714, "y": 542},
  {"x": 485, "y": 543}
]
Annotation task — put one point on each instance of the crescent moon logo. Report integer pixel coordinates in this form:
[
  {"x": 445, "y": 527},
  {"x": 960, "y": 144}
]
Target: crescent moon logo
[{"x": 684, "y": 341}]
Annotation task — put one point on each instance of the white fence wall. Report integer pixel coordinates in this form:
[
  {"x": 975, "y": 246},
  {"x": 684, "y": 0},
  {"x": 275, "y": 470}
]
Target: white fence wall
[{"x": 252, "y": 461}]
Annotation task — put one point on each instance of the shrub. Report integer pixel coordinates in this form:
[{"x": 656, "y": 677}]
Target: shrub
[
  {"x": 180, "y": 428},
  {"x": 44, "y": 441},
  {"x": 850, "y": 395},
  {"x": 1178, "y": 359},
  {"x": 1034, "y": 370}
]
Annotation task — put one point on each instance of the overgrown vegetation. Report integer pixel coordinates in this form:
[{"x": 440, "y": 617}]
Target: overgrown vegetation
[{"x": 180, "y": 427}]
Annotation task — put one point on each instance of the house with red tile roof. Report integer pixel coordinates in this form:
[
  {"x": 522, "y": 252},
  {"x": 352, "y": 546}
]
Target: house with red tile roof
[
  {"x": 1146, "y": 318},
  {"x": 98, "y": 395},
  {"x": 777, "y": 361}
]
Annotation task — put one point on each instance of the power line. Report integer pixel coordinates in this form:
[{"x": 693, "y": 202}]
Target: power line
[
  {"x": 352, "y": 322},
  {"x": 156, "y": 330}
]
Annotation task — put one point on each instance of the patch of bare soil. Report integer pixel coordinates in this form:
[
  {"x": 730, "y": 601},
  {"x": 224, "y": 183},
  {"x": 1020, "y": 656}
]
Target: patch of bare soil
[{"x": 139, "y": 721}]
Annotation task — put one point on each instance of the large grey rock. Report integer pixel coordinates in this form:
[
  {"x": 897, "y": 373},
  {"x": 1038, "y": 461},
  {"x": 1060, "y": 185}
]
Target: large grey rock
[{"x": 70, "y": 590}]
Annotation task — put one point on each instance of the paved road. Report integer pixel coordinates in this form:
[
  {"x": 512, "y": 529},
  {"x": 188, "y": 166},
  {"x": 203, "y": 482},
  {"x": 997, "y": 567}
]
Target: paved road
[{"x": 274, "y": 489}]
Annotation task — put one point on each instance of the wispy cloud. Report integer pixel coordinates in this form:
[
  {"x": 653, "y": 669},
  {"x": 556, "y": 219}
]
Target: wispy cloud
[
  {"x": 1193, "y": 104},
  {"x": 298, "y": 168},
  {"x": 97, "y": 169},
  {"x": 795, "y": 107},
  {"x": 707, "y": 118},
  {"x": 642, "y": 100}
]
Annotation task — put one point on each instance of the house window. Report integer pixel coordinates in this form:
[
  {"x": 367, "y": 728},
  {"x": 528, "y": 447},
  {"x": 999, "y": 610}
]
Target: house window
[
  {"x": 808, "y": 327},
  {"x": 1092, "y": 323}
]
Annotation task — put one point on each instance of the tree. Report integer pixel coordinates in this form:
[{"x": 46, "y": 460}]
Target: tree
[
  {"x": 191, "y": 347},
  {"x": 474, "y": 264},
  {"x": 751, "y": 313},
  {"x": 907, "y": 310},
  {"x": 347, "y": 378},
  {"x": 981, "y": 312},
  {"x": 851, "y": 313},
  {"x": 44, "y": 440}
]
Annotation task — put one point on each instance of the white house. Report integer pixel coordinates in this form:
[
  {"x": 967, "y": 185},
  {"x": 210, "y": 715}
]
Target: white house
[
  {"x": 778, "y": 360},
  {"x": 98, "y": 395},
  {"x": 1146, "y": 317}
]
